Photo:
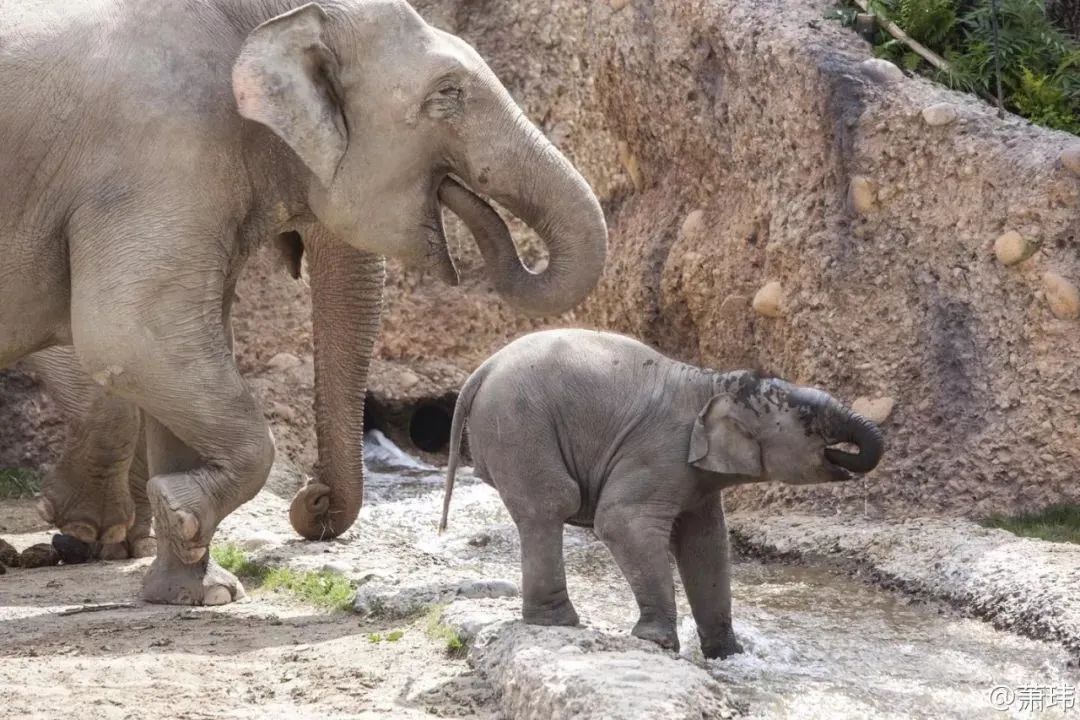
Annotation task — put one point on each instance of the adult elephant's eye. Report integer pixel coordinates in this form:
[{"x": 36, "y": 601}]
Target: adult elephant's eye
[
  {"x": 444, "y": 102},
  {"x": 450, "y": 92}
]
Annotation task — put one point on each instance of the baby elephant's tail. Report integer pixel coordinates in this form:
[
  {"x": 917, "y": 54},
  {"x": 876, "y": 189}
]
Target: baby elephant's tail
[{"x": 457, "y": 427}]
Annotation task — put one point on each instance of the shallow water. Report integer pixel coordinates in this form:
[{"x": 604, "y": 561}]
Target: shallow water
[
  {"x": 817, "y": 644},
  {"x": 823, "y": 646}
]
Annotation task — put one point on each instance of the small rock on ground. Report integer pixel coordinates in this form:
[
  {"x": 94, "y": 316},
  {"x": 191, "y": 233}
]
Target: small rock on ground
[{"x": 487, "y": 589}]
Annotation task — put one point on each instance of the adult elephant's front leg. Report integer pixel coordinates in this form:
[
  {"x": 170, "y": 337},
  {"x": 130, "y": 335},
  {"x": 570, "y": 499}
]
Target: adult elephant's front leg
[
  {"x": 346, "y": 300},
  {"x": 160, "y": 340},
  {"x": 701, "y": 552}
]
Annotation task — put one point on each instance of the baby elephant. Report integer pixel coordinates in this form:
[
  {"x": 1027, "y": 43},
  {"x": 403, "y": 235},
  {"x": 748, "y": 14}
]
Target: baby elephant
[{"x": 596, "y": 429}]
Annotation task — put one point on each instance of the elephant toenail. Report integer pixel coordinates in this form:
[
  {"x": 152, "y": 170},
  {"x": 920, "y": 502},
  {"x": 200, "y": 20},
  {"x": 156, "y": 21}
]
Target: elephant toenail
[
  {"x": 81, "y": 531},
  {"x": 190, "y": 556},
  {"x": 188, "y": 524},
  {"x": 217, "y": 595},
  {"x": 115, "y": 534},
  {"x": 45, "y": 510}
]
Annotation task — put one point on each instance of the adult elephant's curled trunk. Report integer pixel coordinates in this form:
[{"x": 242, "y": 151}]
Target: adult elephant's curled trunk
[
  {"x": 540, "y": 186},
  {"x": 530, "y": 178}
]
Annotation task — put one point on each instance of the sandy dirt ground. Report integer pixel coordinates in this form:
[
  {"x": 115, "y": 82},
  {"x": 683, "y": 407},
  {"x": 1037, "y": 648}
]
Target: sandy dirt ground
[
  {"x": 268, "y": 657},
  {"x": 817, "y": 644}
]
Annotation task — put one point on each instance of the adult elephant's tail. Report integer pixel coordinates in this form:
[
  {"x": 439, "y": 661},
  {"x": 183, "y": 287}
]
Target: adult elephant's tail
[{"x": 457, "y": 428}]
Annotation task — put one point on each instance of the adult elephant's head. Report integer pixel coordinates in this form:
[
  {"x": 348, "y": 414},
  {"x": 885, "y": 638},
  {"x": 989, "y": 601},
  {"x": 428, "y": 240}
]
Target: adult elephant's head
[{"x": 383, "y": 109}]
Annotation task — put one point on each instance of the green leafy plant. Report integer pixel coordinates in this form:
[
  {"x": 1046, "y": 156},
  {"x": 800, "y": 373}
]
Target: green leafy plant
[
  {"x": 328, "y": 590},
  {"x": 1057, "y": 523},
  {"x": 19, "y": 483},
  {"x": 1039, "y": 63},
  {"x": 440, "y": 632}
]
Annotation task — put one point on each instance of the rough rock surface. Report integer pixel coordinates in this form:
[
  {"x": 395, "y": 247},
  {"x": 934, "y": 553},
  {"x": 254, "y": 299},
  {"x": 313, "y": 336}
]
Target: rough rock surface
[
  {"x": 1029, "y": 586},
  {"x": 753, "y": 122},
  {"x": 722, "y": 137},
  {"x": 566, "y": 673}
]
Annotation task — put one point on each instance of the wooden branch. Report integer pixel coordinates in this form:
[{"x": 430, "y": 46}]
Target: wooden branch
[
  {"x": 918, "y": 48},
  {"x": 96, "y": 608}
]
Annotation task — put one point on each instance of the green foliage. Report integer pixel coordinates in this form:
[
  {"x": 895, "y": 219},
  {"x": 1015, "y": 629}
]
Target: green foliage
[
  {"x": 1040, "y": 64},
  {"x": 440, "y": 632},
  {"x": 237, "y": 562},
  {"x": 392, "y": 636},
  {"x": 1057, "y": 523},
  {"x": 328, "y": 590},
  {"x": 19, "y": 483}
]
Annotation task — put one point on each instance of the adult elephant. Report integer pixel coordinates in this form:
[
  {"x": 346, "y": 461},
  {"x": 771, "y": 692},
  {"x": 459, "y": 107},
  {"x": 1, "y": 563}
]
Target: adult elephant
[{"x": 149, "y": 147}]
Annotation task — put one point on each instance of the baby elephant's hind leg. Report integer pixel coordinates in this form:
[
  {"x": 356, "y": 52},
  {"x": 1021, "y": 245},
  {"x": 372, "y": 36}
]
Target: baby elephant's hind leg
[
  {"x": 539, "y": 514},
  {"x": 545, "y": 598}
]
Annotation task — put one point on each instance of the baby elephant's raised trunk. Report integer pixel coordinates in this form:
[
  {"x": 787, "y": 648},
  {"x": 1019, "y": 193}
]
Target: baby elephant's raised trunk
[{"x": 853, "y": 428}]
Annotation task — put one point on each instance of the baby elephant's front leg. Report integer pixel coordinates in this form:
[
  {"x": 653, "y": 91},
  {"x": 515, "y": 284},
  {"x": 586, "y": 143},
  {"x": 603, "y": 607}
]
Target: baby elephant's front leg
[
  {"x": 701, "y": 551},
  {"x": 639, "y": 544}
]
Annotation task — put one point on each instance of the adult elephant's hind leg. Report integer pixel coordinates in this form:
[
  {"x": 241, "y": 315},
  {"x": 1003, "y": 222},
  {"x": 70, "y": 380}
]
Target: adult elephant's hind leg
[
  {"x": 140, "y": 542},
  {"x": 87, "y": 494}
]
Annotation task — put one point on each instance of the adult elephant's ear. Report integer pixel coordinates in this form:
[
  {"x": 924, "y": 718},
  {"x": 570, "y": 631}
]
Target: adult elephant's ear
[
  {"x": 720, "y": 443},
  {"x": 287, "y": 79}
]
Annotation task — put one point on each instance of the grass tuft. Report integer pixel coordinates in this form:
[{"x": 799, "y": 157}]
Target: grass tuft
[
  {"x": 440, "y": 632},
  {"x": 324, "y": 589},
  {"x": 19, "y": 483},
  {"x": 1057, "y": 523}
]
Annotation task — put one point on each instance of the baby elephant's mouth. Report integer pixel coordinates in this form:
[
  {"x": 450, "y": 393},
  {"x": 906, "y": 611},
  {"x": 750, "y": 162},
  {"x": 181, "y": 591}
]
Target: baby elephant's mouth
[{"x": 838, "y": 473}]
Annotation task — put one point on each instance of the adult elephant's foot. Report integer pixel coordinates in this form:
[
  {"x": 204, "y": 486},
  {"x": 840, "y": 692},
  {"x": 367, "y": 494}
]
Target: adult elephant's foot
[
  {"x": 184, "y": 516},
  {"x": 722, "y": 646},
  {"x": 661, "y": 632},
  {"x": 558, "y": 613},
  {"x": 131, "y": 548},
  {"x": 86, "y": 509},
  {"x": 171, "y": 582}
]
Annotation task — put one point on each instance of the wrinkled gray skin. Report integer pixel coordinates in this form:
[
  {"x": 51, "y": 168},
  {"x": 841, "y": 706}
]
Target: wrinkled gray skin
[
  {"x": 597, "y": 429},
  {"x": 96, "y": 493},
  {"x": 150, "y": 147},
  {"x": 97, "y": 490}
]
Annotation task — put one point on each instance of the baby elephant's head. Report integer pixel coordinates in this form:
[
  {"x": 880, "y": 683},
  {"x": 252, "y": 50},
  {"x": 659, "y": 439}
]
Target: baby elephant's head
[{"x": 768, "y": 429}]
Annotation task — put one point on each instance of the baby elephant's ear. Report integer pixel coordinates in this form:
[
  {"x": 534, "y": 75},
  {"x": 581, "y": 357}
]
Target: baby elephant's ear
[{"x": 720, "y": 443}]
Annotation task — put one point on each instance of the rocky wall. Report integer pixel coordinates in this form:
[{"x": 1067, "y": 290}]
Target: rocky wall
[{"x": 737, "y": 143}]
